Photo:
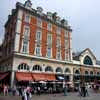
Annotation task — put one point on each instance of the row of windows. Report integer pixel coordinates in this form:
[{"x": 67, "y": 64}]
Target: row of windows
[
  {"x": 38, "y": 44},
  {"x": 86, "y": 72},
  {"x": 49, "y": 25},
  {"x": 39, "y": 68}
]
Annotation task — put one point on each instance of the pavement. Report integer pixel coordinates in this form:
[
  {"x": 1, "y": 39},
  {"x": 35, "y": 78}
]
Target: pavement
[{"x": 70, "y": 96}]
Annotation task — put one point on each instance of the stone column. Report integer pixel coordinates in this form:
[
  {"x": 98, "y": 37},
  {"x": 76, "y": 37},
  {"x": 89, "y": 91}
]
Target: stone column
[
  {"x": 12, "y": 79},
  {"x": 71, "y": 77}
]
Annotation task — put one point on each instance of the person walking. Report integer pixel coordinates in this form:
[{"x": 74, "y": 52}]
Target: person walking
[
  {"x": 80, "y": 91},
  {"x": 86, "y": 90},
  {"x": 39, "y": 90},
  {"x": 5, "y": 90},
  {"x": 28, "y": 93},
  {"x": 24, "y": 95},
  {"x": 65, "y": 91}
]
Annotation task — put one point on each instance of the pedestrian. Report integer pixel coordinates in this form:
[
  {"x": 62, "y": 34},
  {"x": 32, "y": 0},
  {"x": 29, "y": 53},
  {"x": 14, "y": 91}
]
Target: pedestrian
[
  {"x": 14, "y": 90},
  {"x": 86, "y": 90},
  {"x": 39, "y": 90},
  {"x": 50, "y": 90},
  {"x": 83, "y": 91},
  {"x": 5, "y": 90},
  {"x": 20, "y": 90},
  {"x": 65, "y": 91},
  {"x": 25, "y": 94},
  {"x": 28, "y": 93},
  {"x": 80, "y": 91}
]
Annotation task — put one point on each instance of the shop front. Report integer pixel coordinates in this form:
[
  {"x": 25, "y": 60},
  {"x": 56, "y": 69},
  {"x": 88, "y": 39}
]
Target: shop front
[{"x": 42, "y": 80}]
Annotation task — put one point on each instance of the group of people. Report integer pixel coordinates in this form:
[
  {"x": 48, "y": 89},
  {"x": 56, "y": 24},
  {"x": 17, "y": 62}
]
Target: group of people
[
  {"x": 26, "y": 94},
  {"x": 83, "y": 90}
]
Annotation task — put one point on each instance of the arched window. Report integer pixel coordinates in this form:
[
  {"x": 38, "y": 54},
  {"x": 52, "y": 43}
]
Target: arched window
[
  {"x": 91, "y": 72},
  {"x": 59, "y": 70},
  {"x": 87, "y": 61},
  {"x": 37, "y": 68},
  {"x": 48, "y": 69},
  {"x": 77, "y": 72},
  {"x": 23, "y": 66},
  {"x": 86, "y": 72},
  {"x": 67, "y": 70}
]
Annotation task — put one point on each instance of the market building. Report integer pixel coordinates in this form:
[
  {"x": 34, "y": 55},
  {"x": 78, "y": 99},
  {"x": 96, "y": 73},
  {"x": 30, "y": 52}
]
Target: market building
[{"x": 37, "y": 47}]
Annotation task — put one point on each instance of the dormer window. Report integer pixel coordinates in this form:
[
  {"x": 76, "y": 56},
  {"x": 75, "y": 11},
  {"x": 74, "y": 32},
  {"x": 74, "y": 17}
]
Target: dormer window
[
  {"x": 39, "y": 10},
  {"x": 28, "y": 4},
  {"x": 58, "y": 19},
  {"x": 65, "y": 23},
  {"x": 49, "y": 15}
]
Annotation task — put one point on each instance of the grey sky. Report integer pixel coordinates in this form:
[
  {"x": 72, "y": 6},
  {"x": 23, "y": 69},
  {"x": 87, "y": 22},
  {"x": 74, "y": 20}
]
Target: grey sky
[{"x": 82, "y": 15}]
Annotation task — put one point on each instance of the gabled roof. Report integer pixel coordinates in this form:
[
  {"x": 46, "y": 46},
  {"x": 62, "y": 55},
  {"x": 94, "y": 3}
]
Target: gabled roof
[{"x": 78, "y": 54}]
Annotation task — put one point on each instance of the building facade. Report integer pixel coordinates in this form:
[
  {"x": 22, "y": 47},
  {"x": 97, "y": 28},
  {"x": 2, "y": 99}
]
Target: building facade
[{"x": 41, "y": 44}]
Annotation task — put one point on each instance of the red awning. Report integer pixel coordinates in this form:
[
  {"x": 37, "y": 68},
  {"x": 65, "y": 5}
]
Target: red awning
[
  {"x": 39, "y": 77},
  {"x": 23, "y": 76},
  {"x": 26, "y": 76},
  {"x": 44, "y": 77},
  {"x": 50, "y": 77},
  {"x": 3, "y": 75}
]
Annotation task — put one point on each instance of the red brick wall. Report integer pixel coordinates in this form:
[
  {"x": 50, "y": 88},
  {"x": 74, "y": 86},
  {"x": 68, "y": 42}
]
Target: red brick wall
[
  {"x": 44, "y": 38},
  {"x": 62, "y": 44},
  {"x": 33, "y": 29},
  {"x": 54, "y": 41}
]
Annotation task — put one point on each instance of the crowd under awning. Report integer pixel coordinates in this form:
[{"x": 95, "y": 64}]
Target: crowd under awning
[{"x": 28, "y": 76}]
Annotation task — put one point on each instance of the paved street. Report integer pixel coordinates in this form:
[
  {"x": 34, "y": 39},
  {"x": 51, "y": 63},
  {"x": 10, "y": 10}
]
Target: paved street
[{"x": 71, "y": 96}]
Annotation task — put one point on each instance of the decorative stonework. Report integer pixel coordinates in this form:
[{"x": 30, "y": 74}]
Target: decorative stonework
[
  {"x": 28, "y": 4},
  {"x": 88, "y": 53}
]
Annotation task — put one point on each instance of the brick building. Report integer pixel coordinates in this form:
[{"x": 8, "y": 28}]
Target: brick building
[{"x": 38, "y": 47}]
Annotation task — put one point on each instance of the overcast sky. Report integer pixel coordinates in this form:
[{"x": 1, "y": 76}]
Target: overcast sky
[{"x": 82, "y": 15}]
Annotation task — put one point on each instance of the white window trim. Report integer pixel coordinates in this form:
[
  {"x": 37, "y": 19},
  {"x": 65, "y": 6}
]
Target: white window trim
[
  {"x": 35, "y": 50},
  {"x": 29, "y": 18},
  {"x": 24, "y": 31},
  {"x": 58, "y": 31},
  {"x": 40, "y": 35},
  {"x": 27, "y": 47},
  {"x": 57, "y": 55},
  {"x": 47, "y": 52},
  {"x": 49, "y": 44},
  {"x": 27, "y": 40},
  {"x": 39, "y": 25},
  {"x": 49, "y": 28}
]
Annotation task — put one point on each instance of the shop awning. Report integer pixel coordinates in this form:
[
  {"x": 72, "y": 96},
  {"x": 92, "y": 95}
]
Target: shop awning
[
  {"x": 27, "y": 76},
  {"x": 39, "y": 77},
  {"x": 3, "y": 75},
  {"x": 44, "y": 77},
  {"x": 23, "y": 76}
]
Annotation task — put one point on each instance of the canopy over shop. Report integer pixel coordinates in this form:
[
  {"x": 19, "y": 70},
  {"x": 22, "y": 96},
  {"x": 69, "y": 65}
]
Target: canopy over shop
[
  {"x": 24, "y": 76},
  {"x": 5, "y": 77}
]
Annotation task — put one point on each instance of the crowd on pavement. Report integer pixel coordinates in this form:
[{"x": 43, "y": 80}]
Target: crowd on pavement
[{"x": 26, "y": 92}]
